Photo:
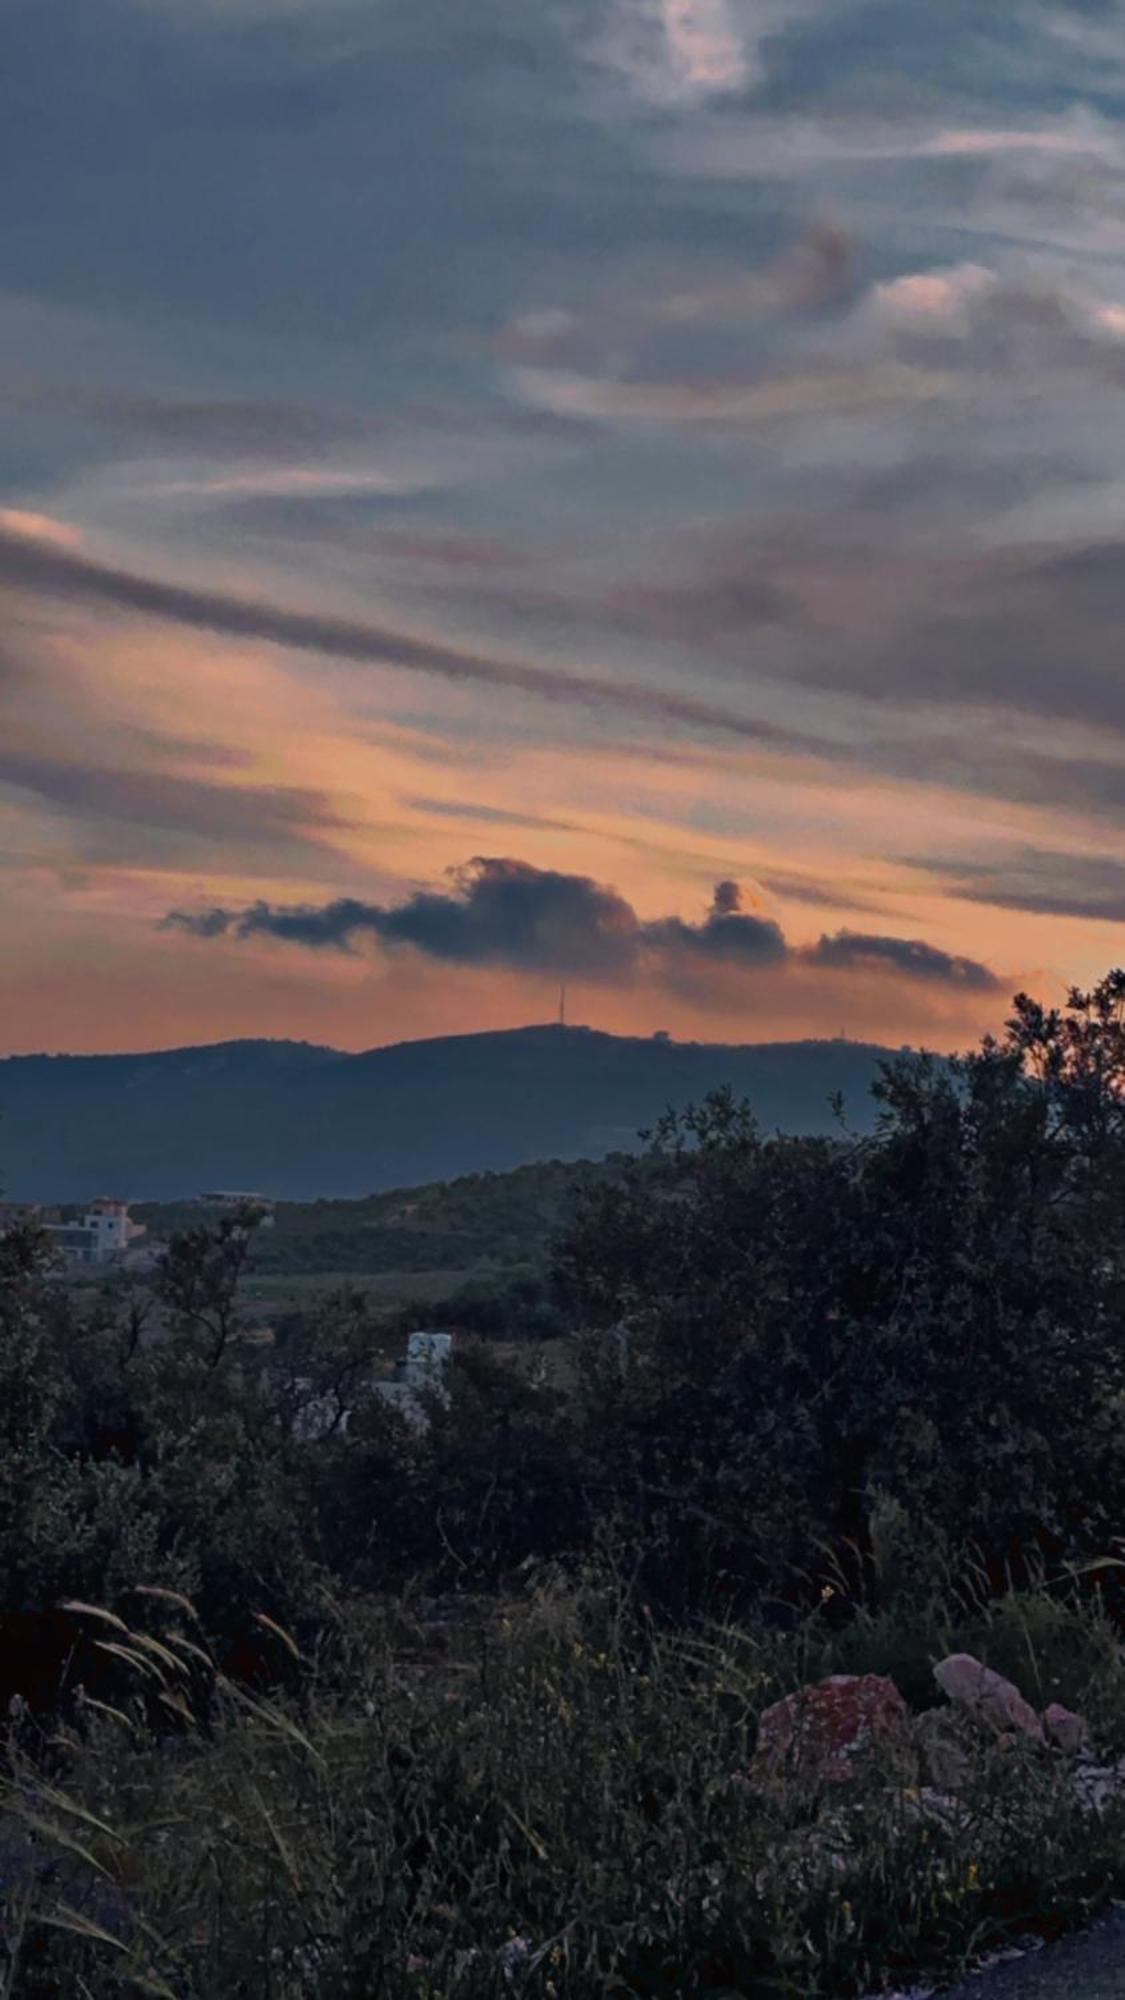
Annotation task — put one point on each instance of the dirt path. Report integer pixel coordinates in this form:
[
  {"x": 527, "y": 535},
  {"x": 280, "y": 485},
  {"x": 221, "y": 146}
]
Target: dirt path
[{"x": 1090, "y": 1967}]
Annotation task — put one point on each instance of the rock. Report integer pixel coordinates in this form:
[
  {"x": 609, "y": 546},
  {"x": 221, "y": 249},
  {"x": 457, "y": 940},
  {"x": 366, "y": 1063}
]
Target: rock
[
  {"x": 515, "y": 1958},
  {"x": 1066, "y": 1731},
  {"x": 838, "y": 1844},
  {"x": 988, "y": 1697},
  {"x": 927, "y": 1805},
  {"x": 810, "y": 1858},
  {"x": 846, "y": 1727},
  {"x": 1097, "y": 1787},
  {"x": 943, "y": 1754}
]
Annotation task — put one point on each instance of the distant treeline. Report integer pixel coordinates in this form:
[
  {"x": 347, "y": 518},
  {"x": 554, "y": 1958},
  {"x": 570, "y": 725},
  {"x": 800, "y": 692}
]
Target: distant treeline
[{"x": 492, "y": 1219}]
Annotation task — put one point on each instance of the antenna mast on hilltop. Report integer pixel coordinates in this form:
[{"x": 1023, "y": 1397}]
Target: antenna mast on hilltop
[{"x": 562, "y": 1005}]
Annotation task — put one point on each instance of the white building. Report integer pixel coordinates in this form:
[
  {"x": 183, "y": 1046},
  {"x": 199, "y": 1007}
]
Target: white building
[
  {"x": 101, "y": 1237},
  {"x": 427, "y": 1358},
  {"x": 421, "y": 1374}
]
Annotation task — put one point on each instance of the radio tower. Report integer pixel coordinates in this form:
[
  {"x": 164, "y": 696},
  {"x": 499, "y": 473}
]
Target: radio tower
[{"x": 562, "y": 1005}]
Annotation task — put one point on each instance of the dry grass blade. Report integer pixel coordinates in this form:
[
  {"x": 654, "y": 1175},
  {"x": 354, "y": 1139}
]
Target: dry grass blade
[
  {"x": 280, "y": 1843},
  {"x": 279, "y": 1632},
  {"x": 63, "y": 1918},
  {"x": 63, "y": 1803},
  {"x": 168, "y": 1597},
  {"x": 83, "y": 1610},
  {"x": 58, "y": 1837},
  {"x": 107, "y": 1708},
  {"x": 189, "y": 1646},
  {"x": 177, "y": 1704},
  {"x": 273, "y": 1718},
  {"x": 158, "y": 1651},
  {"x": 134, "y": 1659},
  {"x": 532, "y": 1839}
]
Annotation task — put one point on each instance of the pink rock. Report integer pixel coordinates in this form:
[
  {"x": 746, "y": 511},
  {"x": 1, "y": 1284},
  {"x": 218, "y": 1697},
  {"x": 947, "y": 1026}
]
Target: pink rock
[
  {"x": 1068, "y": 1732},
  {"x": 988, "y": 1696},
  {"x": 848, "y": 1726}
]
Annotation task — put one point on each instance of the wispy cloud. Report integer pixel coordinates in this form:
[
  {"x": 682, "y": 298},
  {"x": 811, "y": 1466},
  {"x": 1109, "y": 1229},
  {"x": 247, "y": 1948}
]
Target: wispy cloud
[
  {"x": 697, "y": 416},
  {"x": 772, "y": 147},
  {"x": 679, "y": 52},
  {"x": 1052, "y": 882},
  {"x": 217, "y": 816},
  {"x": 833, "y": 392},
  {"x": 27, "y": 564}
]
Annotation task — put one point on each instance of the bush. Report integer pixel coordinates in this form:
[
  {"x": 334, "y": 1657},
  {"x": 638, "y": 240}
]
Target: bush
[{"x": 793, "y": 1334}]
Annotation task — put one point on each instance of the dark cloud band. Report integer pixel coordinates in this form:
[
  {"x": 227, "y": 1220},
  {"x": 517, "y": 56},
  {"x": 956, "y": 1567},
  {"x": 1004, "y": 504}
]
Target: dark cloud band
[
  {"x": 500, "y": 911},
  {"x": 31, "y": 565}
]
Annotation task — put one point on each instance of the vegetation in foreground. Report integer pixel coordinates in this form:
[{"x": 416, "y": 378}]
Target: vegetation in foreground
[
  {"x": 553, "y": 1799},
  {"x": 473, "y": 1709}
]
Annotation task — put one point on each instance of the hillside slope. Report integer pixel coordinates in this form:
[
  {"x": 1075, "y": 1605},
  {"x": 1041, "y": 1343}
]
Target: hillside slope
[{"x": 294, "y": 1120}]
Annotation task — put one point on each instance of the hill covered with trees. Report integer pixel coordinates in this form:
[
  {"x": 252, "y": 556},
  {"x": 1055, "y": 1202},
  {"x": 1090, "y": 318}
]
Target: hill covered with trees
[{"x": 292, "y": 1120}]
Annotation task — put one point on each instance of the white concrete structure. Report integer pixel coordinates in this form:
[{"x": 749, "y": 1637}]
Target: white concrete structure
[
  {"x": 421, "y": 1374},
  {"x": 101, "y": 1237},
  {"x": 427, "y": 1358}
]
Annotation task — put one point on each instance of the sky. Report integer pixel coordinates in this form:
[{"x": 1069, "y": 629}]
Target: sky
[{"x": 623, "y": 492}]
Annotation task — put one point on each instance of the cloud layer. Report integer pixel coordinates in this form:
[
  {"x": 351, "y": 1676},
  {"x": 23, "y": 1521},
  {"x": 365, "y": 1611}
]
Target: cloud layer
[
  {"x": 680, "y": 430},
  {"x": 501, "y": 911}
]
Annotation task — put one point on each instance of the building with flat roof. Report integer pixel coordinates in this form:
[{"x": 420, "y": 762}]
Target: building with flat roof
[
  {"x": 234, "y": 1200},
  {"x": 101, "y": 1236}
]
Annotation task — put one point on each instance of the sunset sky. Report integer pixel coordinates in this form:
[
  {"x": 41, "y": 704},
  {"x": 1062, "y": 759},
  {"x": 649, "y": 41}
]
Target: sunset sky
[{"x": 503, "y": 491}]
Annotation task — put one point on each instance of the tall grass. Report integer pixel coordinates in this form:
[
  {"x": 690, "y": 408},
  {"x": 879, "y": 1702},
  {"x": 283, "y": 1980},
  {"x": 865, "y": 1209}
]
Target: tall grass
[{"x": 552, "y": 1799}]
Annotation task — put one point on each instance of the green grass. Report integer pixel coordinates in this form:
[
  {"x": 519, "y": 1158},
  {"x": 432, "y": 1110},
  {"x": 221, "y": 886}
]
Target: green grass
[
  {"x": 552, "y": 1772},
  {"x": 263, "y": 1293}
]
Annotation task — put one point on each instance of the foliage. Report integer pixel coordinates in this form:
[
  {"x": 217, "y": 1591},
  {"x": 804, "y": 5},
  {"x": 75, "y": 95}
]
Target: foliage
[
  {"x": 553, "y": 1803},
  {"x": 795, "y": 1329},
  {"x": 500, "y": 1222},
  {"x": 830, "y": 1403}
]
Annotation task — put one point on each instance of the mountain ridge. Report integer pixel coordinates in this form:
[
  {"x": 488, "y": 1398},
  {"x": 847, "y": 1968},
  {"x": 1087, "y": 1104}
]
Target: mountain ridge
[{"x": 299, "y": 1119}]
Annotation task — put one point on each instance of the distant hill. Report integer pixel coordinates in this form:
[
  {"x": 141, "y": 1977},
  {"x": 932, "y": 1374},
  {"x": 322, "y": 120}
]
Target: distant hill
[
  {"x": 488, "y": 1225},
  {"x": 295, "y": 1121}
]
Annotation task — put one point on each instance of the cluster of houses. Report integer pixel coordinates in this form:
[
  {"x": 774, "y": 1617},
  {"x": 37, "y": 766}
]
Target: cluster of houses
[{"x": 103, "y": 1233}]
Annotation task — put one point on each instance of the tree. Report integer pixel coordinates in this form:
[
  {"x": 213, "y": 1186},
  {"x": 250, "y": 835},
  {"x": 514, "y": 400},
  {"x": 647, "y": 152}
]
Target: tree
[{"x": 933, "y": 1314}]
